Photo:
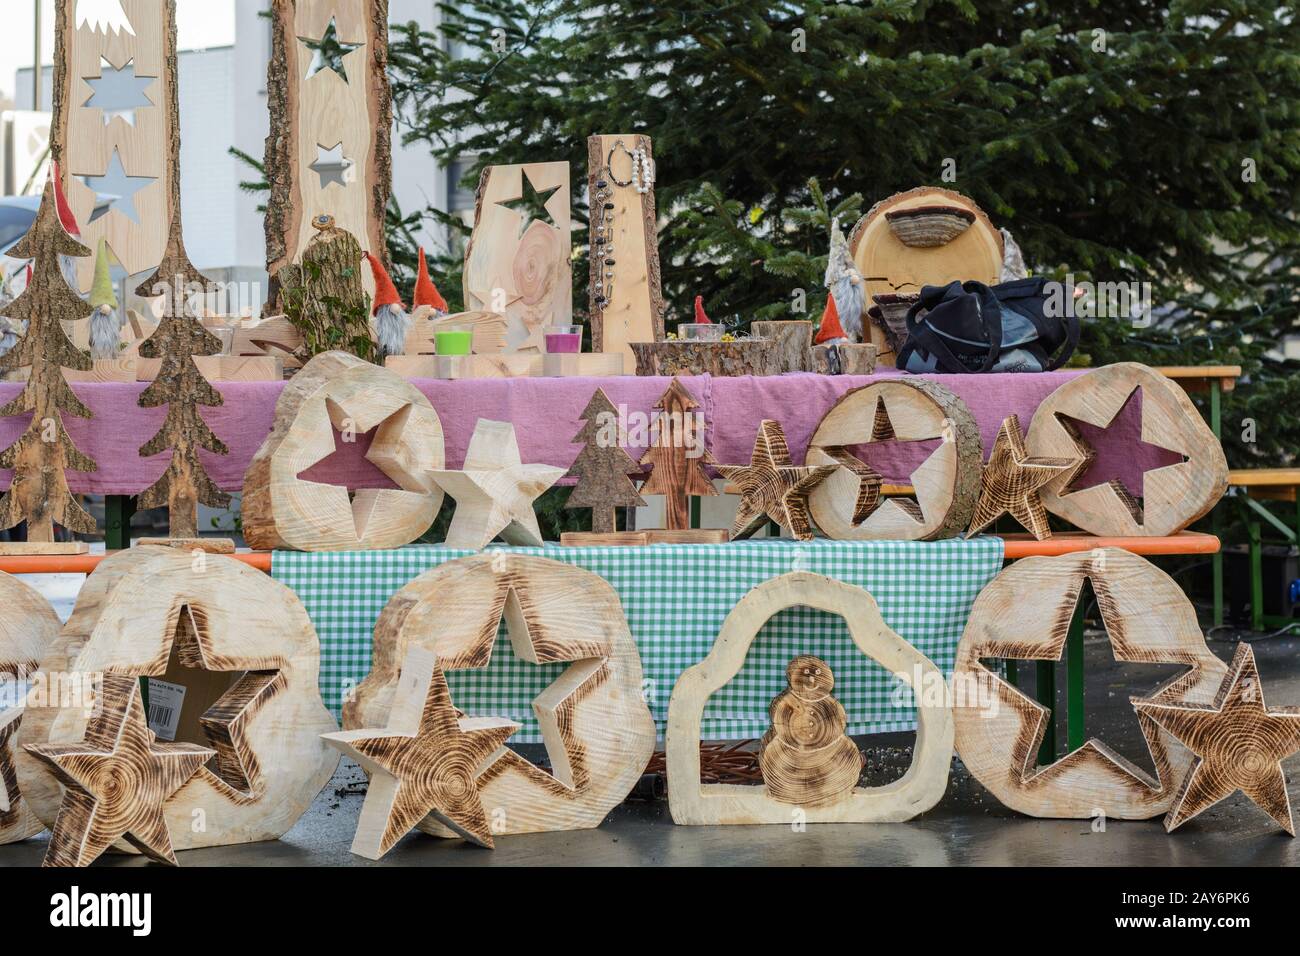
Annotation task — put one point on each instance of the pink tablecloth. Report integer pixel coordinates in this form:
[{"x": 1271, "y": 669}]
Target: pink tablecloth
[{"x": 545, "y": 412}]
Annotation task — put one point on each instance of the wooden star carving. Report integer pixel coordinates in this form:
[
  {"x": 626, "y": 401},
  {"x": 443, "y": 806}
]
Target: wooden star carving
[
  {"x": 870, "y": 482},
  {"x": 9, "y": 721},
  {"x": 117, "y": 781},
  {"x": 424, "y": 762},
  {"x": 1238, "y": 742},
  {"x": 494, "y": 492},
  {"x": 1011, "y": 481},
  {"x": 770, "y": 486}
]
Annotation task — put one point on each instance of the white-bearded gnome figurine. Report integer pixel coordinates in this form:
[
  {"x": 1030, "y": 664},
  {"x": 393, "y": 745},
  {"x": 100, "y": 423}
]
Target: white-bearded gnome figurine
[
  {"x": 105, "y": 316},
  {"x": 389, "y": 317},
  {"x": 845, "y": 284}
]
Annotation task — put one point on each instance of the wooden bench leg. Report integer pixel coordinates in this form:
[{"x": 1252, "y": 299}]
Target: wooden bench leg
[{"x": 1255, "y": 531}]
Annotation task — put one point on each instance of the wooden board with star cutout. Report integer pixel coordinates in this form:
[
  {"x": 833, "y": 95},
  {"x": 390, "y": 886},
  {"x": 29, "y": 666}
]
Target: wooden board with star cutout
[
  {"x": 771, "y": 487},
  {"x": 494, "y": 491},
  {"x": 1024, "y": 614},
  {"x": 1172, "y": 497},
  {"x": 945, "y": 486},
  {"x": 424, "y": 762},
  {"x": 1011, "y": 481},
  {"x": 337, "y": 391},
  {"x": 593, "y": 717},
  {"x": 517, "y": 260},
  {"x": 920, "y": 788},
  {"x": 147, "y": 607},
  {"x": 27, "y": 627},
  {"x": 329, "y": 151},
  {"x": 1238, "y": 742},
  {"x": 115, "y": 120}
]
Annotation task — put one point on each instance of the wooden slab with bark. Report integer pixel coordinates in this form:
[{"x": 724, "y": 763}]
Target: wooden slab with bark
[
  {"x": 946, "y": 485},
  {"x": 516, "y": 266},
  {"x": 919, "y": 789},
  {"x": 1024, "y": 614},
  {"x": 322, "y": 111},
  {"x": 626, "y": 265},
  {"x": 598, "y": 731},
  {"x": 855, "y": 358},
  {"x": 27, "y": 627},
  {"x": 794, "y": 338},
  {"x": 679, "y": 357},
  {"x": 338, "y": 391},
  {"x": 1172, "y": 497},
  {"x": 143, "y": 608}
]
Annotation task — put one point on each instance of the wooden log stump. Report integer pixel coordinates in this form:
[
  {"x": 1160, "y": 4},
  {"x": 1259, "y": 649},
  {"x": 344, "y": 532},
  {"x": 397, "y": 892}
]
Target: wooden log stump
[{"x": 741, "y": 357}]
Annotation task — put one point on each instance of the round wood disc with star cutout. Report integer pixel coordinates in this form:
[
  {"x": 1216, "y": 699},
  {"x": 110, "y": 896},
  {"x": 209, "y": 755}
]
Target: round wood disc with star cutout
[
  {"x": 1024, "y": 614},
  {"x": 946, "y": 485},
  {"x": 28, "y": 626},
  {"x": 148, "y": 607},
  {"x": 598, "y": 731},
  {"x": 338, "y": 392},
  {"x": 1171, "y": 497}
]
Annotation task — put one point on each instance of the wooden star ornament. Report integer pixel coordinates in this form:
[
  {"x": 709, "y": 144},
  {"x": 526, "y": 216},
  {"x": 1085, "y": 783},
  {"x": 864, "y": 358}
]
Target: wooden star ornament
[
  {"x": 1011, "y": 481},
  {"x": 494, "y": 492},
  {"x": 1238, "y": 742},
  {"x": 425, "y": 761},
  {"x": 117, "y": 781},
  {"x": 771, "y": 486}
]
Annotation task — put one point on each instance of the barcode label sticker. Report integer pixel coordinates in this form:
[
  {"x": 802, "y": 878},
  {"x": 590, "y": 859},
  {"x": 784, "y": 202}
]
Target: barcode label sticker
[{"x": 165, "y": 701}]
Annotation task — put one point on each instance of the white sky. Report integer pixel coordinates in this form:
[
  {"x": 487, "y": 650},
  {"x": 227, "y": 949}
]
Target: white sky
[{"x": 199, "y": 24}]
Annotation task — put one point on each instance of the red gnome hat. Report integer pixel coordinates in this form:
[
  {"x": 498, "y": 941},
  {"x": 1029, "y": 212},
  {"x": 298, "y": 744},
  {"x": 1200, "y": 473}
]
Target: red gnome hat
[
  {"x": 830, "y": 327},
  {"x": 385, "y": 291},
  {"x": 66, "y": 217},
  {"x": 700, "y": 317},
  {"x": 426, "y": 293}
]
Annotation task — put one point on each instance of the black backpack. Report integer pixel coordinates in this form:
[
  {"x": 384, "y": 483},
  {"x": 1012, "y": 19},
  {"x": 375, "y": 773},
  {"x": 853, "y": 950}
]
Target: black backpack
[{"x": 972, "y": 327}]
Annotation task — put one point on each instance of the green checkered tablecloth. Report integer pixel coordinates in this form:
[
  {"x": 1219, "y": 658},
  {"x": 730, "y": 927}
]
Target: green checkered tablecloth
[{"x": 675, "y": 598}]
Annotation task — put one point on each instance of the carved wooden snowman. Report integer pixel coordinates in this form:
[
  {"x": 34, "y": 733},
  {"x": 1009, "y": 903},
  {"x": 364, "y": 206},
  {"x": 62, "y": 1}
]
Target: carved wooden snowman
[{"x": 806, "y": 758}]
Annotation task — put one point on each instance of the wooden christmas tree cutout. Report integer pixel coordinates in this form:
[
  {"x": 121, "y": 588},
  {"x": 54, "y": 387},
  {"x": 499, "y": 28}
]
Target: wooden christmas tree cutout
[
  {"x": 1011, "y": 481},
  {"x": 117, "y": 781},
  {"x": 182, "y": 388},
  {"x": 424, "y": 762},
  {"x": 807, "y": 758},
  {"x": 495, "y": 491},
  {"x": 1238, "y": 742},
  {"x": 39, "y": 493},
  {"x": 602, "y": 467},
  {"x": 771, "y": 486}
]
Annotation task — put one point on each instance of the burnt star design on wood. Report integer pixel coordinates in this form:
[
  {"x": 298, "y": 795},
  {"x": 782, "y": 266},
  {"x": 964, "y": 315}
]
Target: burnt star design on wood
[
  {"x": 117, "y": 781},
  {"x": 424, "y": 762},
  {"x": 1238, "y": 742},
  {"x": 1011, "y": 481},
  {"x": 9, "y": 721},
  {"x": 771, "y": 486}
]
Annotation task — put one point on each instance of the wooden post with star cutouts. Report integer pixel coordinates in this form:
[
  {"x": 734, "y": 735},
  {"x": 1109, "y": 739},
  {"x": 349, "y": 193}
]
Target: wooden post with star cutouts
[
  {"x": 115, "y": 128},
  {"x": 39, "y": 493},
  {"x": 517, "y": 260},
  {"x": 329, "y": 151},
  {"x": 626, "y": 300}
]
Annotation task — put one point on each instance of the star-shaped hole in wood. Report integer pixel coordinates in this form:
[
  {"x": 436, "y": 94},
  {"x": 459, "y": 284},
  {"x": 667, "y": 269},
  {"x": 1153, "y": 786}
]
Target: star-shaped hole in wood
[
  {"x": 116, "y": 781},
  {"x": 1238, "y": 742},
  {"x": 329, "y": 52},
  {"x": 122, "y": 187},
  {"x": 1124, "y": 430},
  {"x": 532, "y": 205},
  {"x": 332, "y": 166},
  {"x": 118, "y": 92},
  {"x": 425, "y": 762}
]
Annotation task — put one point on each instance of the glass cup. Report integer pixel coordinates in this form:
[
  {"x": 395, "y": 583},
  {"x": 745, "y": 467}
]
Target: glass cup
[
  {"x": 452, "y": 342},
  {"x": 563, "y": 339},
  {"x": 700, "y": 331}
]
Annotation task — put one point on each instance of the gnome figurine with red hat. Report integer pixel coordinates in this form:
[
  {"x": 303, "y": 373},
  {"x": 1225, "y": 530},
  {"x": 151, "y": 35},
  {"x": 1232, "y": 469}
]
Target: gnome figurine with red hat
[
  {"x": 67, "y": 264},
  {"x": 426, "y": 293},
  {"x": 831, "y": 333},
  {"x": 389, "y": 317}
]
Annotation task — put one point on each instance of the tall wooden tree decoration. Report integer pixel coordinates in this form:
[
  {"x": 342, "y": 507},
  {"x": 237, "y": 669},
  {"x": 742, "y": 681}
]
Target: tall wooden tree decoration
[
  {"x": 39, "y": 493},
  {"x": 678, "y": 456},
  {"x": 602, "y": 467},
  {"x": 183, "y": 389}
]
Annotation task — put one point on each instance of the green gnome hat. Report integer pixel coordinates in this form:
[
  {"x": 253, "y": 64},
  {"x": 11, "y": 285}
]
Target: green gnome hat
[{"x": 101, "y": 290}]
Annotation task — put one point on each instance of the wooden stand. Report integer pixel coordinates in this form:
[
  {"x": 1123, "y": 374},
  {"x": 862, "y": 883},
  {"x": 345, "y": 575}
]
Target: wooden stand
[
  {"x": 598, "y": 730},
  {"x": 742, "y": 357},
  {"x": 794, "y": 343},
  {"x": 583, "y": 364},
  {"x": 336, "y": 390},
  {"x": 147, "y": 607},
  {"x": 591, "y": 539},
  {"x": 206, "y": 545},
  {"x": 1024, "y": 614},
  {"x": 27, "y": 627},
  {"x": 946, "y": 485},
  {"x": 451, "y": 367},
  {"x": 920, "y": 788},
  {"x": 626, "y": 303},
  {"x": 16, "y": 548},
  {"x": 222, "y": 368}
]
